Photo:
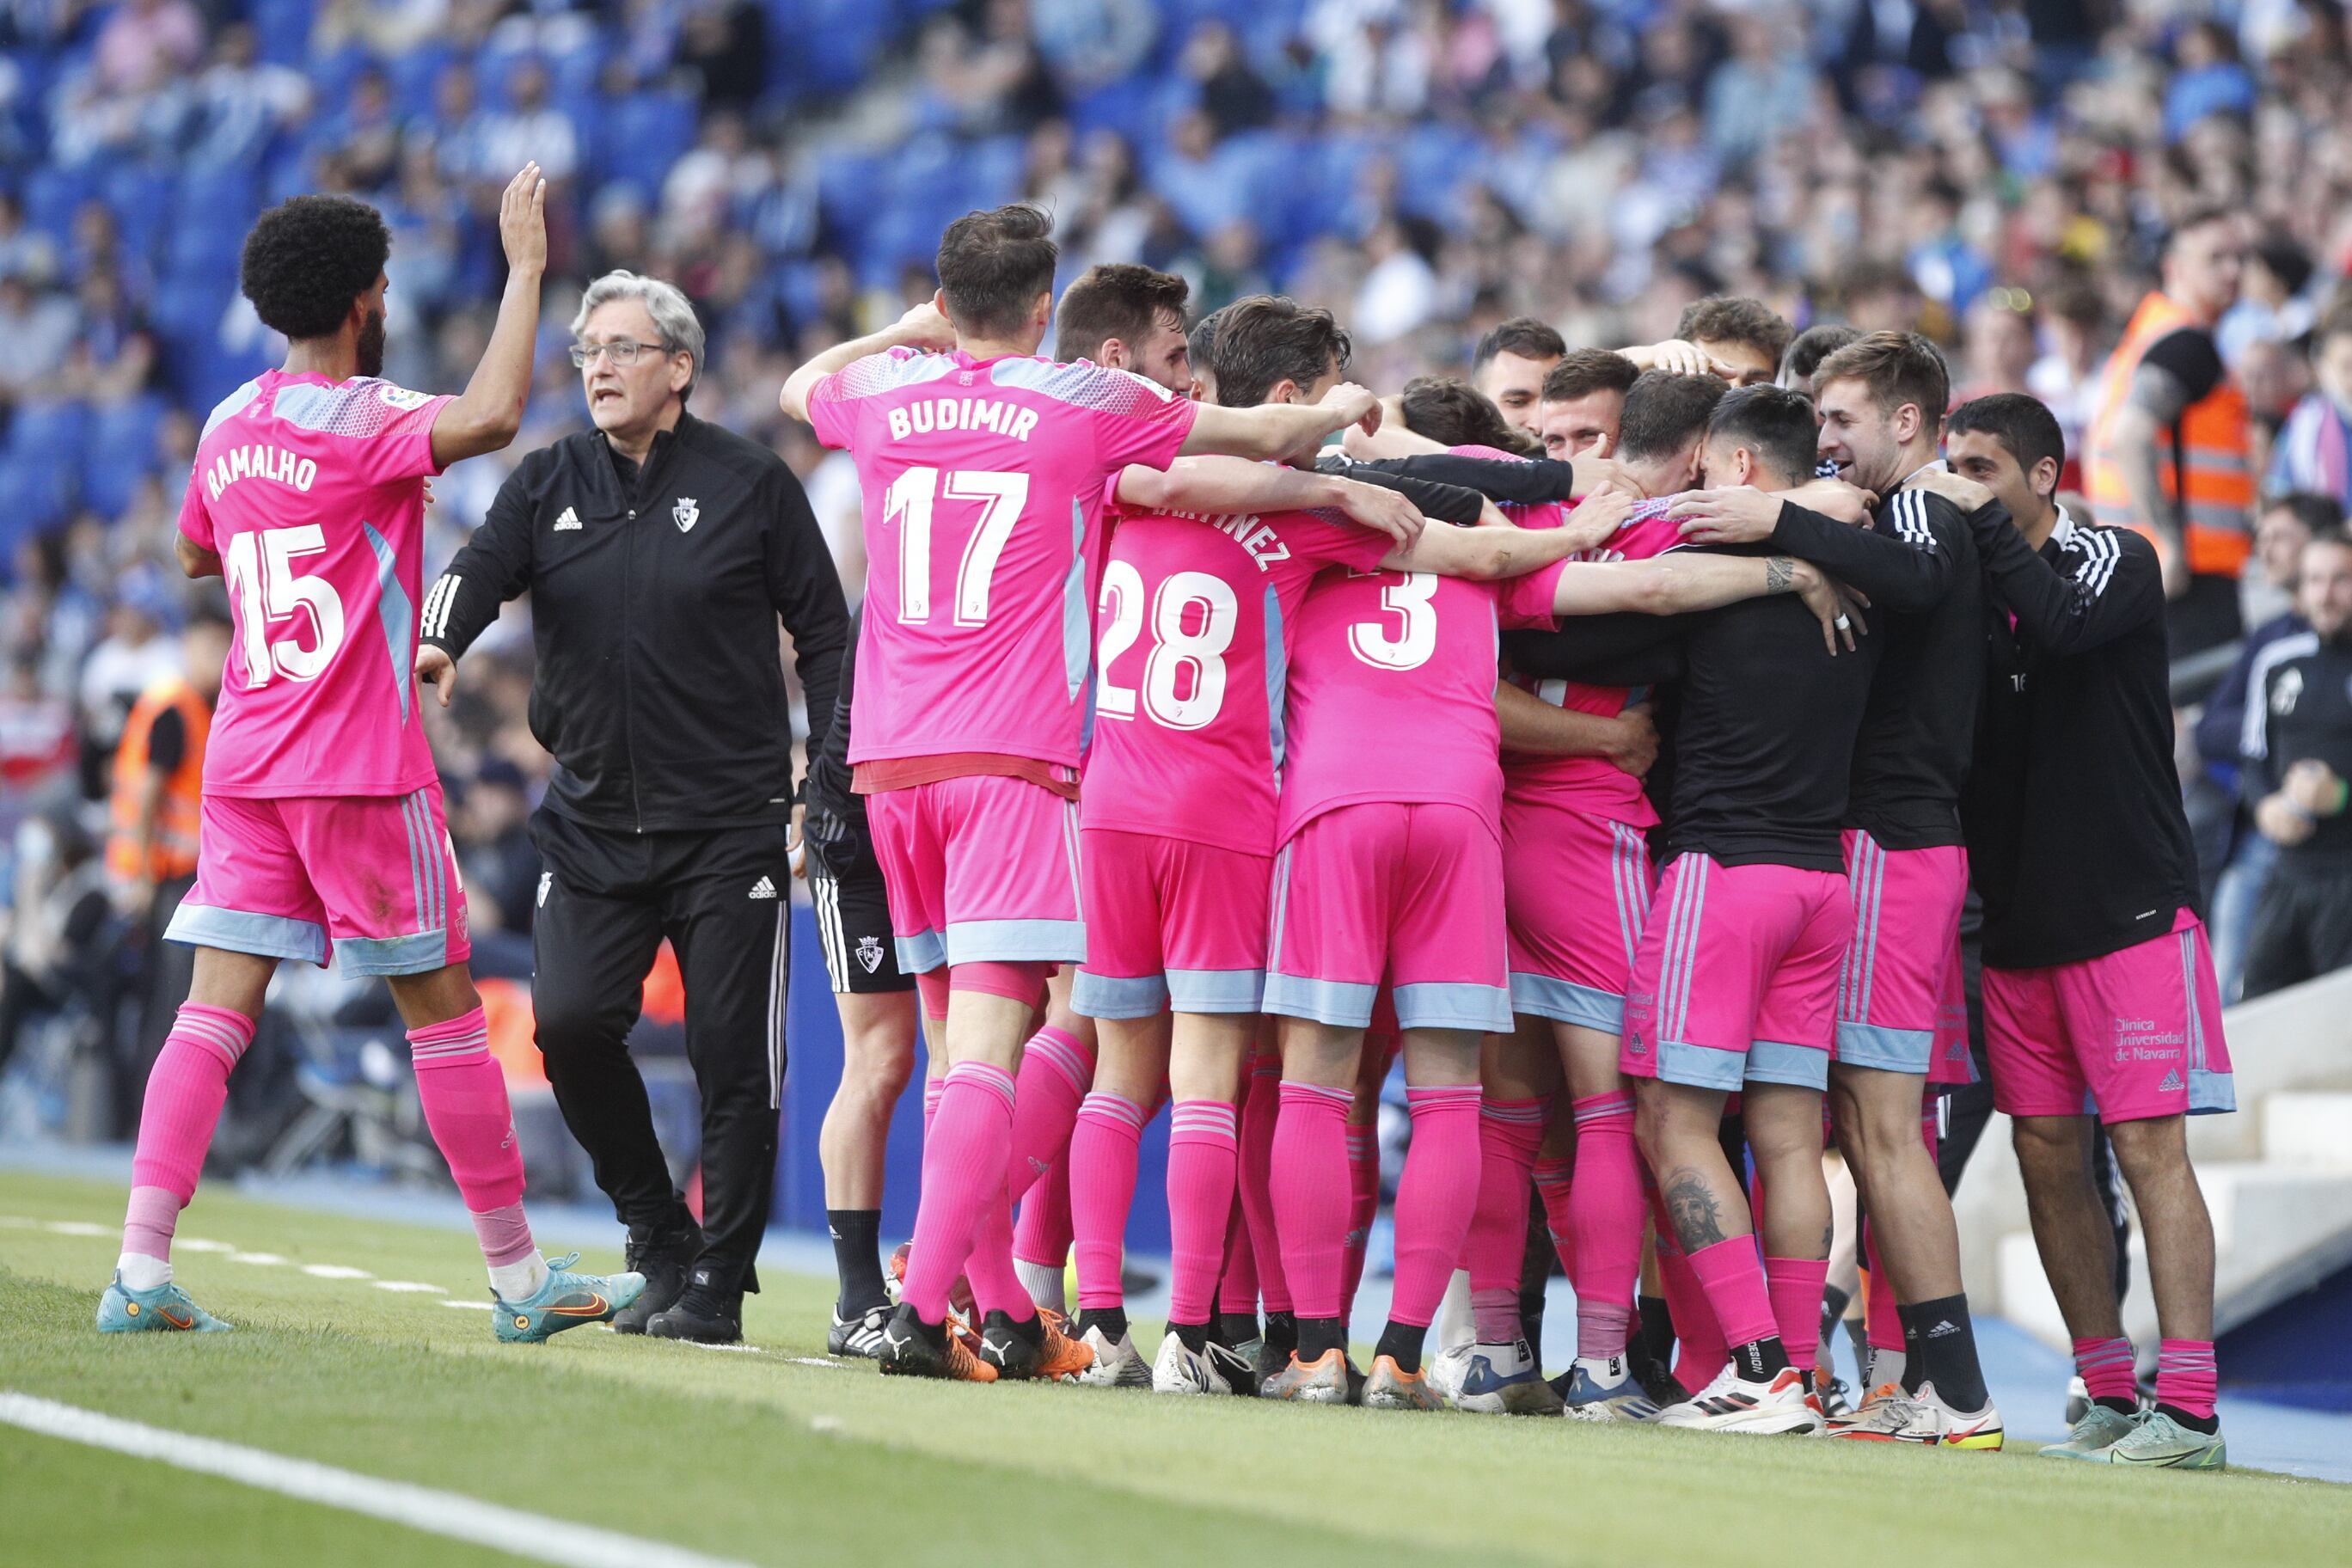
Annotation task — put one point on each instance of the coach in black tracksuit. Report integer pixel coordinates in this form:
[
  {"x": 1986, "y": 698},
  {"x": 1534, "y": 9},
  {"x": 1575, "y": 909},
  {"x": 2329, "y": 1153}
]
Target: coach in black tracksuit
[{"x": 659, "y": 552}]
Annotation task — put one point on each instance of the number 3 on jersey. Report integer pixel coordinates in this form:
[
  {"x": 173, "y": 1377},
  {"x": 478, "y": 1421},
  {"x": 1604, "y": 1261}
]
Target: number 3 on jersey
[
  {"x": 914, "y": 496},
  {"x": 1408, "y": 596},
  {"x": 260, "y": 571},
  {"x": 1179, "y": 650}
]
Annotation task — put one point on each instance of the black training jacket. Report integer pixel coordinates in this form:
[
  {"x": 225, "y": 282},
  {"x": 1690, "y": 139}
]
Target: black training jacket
[
  {"x": 655, "y": 592},
  {"x": 2077, "y": 840}
]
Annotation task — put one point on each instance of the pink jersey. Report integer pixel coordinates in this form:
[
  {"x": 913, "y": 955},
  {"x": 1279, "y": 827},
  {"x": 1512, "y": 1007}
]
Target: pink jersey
[
  {"x": 1592, "y": 784},
  {"x": 312, "y": 493},
  {"x": 1197, "y": 621},
  {"x": 1392, "y": 690},
  {"x": 983, "y": 483}
]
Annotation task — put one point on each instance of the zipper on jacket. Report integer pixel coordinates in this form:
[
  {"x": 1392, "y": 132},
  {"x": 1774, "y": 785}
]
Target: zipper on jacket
[{"x": 628, "y": 672}]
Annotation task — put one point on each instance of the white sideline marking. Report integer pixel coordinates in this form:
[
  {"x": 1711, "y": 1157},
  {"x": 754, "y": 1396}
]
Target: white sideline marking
[
  {"x": 264, "y": 1259},
  {"x": 198, "y": 1244},
  {"x": 450, "y": 1514},
  {"x": 17, "y": 1222},
  {"x": 415, "y": 1285},
  {"x": 77, "y": 1227},
  {"x": 736, "y": 1349},
  {"x": 482, "y": 1306},
  {"x": 334, "y": 1272},
  {"x": 826, "y": 1362}
]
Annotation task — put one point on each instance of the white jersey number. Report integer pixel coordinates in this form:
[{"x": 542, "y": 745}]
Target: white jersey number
[
  {"x": 911, "y": 499},
  {"x": 1410, "y": 598},
  {"x": 260, "y": 571},
  {"x": 1174, "y": 651}
]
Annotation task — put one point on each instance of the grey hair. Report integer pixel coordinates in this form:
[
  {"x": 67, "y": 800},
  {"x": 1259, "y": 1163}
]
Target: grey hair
[{"x": 672, "y": 314}]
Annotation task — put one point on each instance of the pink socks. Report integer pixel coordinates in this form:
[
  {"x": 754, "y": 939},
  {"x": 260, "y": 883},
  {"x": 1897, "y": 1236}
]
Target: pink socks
[
  {"x": 1881, "y": 1314},
  {"x": 1732, "y": 1275},
  {"x": 1102, "y": 1190},
  {"x": 1041, "y": 1235},
  {"x": 1363, "y": 1207},
  {"x": 1795, "y": 1284},
  {"x": 1261, "y": 1108},
  {"x": 464, "y": 1098},
  {"x": 1436, "y": 1196},
  {"x": 1237, "y": 1286},
  {"x": 1605, "y": 1208},
  {"x": 1509, "y": 1134},
  {"x": 1309, "y": 1185},
  {"x": 186, "y": 1090},
  {"x": 2105, "y": 1367},
  {"x": 1701, "y": 1352},
  {"x": 1055, "y": 1070},
  {"x": 1203, "y": 1146},
  {"x": 964, "y": 1156},
  {"x": 1554, "y": 1184},
  {"x": 2186, "y": 1376}
]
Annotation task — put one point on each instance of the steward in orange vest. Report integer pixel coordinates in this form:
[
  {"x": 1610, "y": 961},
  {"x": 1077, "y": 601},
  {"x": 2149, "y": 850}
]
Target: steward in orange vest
[
  {"x": 2204, "y": 458},
  {"x": 160, "y": 847}
]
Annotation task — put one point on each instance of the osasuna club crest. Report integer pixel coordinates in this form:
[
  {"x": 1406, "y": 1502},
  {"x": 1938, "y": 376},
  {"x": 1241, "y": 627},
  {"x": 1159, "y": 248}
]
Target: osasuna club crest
[
  {"x": 685, "y": 513},
  {"x": 869, "y": 953}
]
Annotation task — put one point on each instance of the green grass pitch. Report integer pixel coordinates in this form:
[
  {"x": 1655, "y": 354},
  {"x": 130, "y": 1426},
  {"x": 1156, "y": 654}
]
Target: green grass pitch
[{"x": 764, "y": 1457}]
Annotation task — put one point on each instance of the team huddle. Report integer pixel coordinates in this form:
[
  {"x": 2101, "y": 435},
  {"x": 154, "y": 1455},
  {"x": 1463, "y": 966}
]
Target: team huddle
[
  {"x": 1615, "y": 741},
  {"x": 1240, "y": 815}
]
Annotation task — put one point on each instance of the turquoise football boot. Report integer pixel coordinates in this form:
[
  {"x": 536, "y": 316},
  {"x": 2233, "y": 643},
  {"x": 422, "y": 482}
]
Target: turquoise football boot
[
  {"x": 565, "y": 1302},
  {"x": 165, "y": 1310}
]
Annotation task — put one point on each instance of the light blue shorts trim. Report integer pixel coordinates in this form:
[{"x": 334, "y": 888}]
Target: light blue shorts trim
[
  {"x": 421, "y": 953},
  {"x": 1114, "y": 996},
  {"x": 1884, "y": 1049},
  {"x": 1454, "y": 1005},
  {"x": 921, "y": 953},
  {"x": 1216, "y": 990},
  {"x": 1565, "y": 1001},
  {"x": 1765, "y": 1061},
  {"x": 263, "y": 936},
  {"x": 1016, "y": 942},
  {"x": 1341, "y": 1003}
]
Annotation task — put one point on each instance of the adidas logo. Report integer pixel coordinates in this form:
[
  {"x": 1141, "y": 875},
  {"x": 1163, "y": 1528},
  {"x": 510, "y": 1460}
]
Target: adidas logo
[
  {"x": 1946, "y": 1327},
  {"x": 568, "y": 522},
  {"x": 2171, "y": 1084},
  {"x": 763, "y": 888}
]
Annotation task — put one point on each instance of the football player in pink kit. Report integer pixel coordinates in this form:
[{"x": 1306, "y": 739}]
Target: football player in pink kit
[
  {"x": 1179, "y": 823},
  {"x": 1390, "y": 872},
  {"x": 983, "y": 470},
  {"x": 322, "y": 820},
  {"x": 1577, "y": 886}
]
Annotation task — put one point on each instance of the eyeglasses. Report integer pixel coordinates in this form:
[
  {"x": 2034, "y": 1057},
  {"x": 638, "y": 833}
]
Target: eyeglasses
[{"x": 621, "y": 352}]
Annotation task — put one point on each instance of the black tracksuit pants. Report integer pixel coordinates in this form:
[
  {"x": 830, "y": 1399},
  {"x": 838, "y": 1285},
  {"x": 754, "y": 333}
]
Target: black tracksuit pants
[{"x": 720, "y": 896}]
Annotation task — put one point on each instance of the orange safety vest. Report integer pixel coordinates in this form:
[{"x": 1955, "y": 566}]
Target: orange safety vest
[
  {"x": 2205, "y": 462},
  {"x": 173, "y": 852}
]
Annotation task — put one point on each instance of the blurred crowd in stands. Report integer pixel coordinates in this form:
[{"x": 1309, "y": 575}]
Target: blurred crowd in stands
[{"x": 1998, "y": 174}]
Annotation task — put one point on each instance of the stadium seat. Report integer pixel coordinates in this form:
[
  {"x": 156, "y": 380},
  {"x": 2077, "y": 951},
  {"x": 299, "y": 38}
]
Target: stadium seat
[
  {"x": 120, "y": 452},
  {"x": 637, "y": 138}
]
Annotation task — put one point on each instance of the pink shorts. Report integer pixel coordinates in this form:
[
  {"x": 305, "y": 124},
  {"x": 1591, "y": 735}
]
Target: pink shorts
[
  {"x": 979, "y": 869},
  {"x": 2128, "y": 1037},
  {"x": 372, "y": 876},
  {"x": 1903, "y": 953},
  {"x": 1736, "y": 980},
  {"x": 1407, "y": 893},
  {"x": 1177, "y": 924},
  {"x": 1952, "y": 1063},
  {"x": 1572, "y": 945}
]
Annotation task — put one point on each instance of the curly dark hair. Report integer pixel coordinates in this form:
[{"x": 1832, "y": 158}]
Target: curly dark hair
[{"x": 307, "y": 260}]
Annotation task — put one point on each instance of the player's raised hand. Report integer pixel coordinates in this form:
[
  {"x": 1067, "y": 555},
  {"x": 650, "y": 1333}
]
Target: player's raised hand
[
  {"x": 1384, "y": 511},
  {"x": 1736, "y": 514},
  {"x": 1964, "y": 493},
  {"x": 925, "y": 326},
  {"x": 1361, "y": 408},
  {"x": 1596, "y": 473},
  {"x": 435, "y": 669},
  {"x": 522, "y": 220},
  {"x": 1599, "y": 516}
]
